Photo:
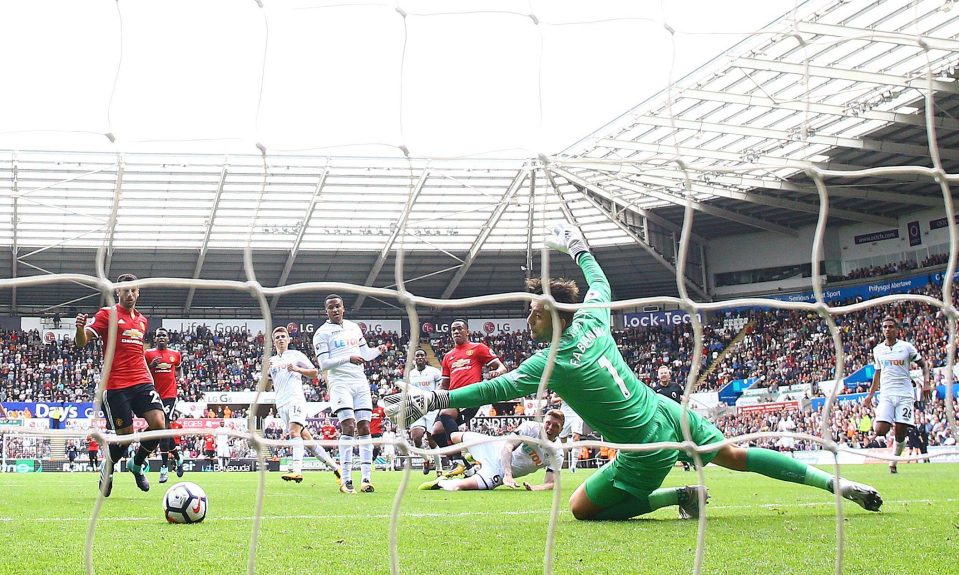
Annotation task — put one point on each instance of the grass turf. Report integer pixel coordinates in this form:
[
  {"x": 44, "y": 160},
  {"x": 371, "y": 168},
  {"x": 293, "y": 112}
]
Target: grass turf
[{"x": 755, "y": 526}]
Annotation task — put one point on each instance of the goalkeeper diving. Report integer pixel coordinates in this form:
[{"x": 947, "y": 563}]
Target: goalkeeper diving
[{"x": 592, "y": 377}]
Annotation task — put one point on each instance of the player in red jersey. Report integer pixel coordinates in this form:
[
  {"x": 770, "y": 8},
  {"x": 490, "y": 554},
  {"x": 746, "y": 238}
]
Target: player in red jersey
[
  {"x": 328, "y": 431},
  {"x": 377, "y": 416},
  {"x": 462, "y": 366},
  {"x": 93, "y": 452},
  {"x": 164, "y": 364},
  {"x": 209, "y": 450},
  {"x": 128, "y": 390}
]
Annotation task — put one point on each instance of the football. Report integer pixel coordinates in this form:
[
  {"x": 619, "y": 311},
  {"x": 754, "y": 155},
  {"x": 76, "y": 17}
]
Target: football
[{"x": 184, "y": 502}]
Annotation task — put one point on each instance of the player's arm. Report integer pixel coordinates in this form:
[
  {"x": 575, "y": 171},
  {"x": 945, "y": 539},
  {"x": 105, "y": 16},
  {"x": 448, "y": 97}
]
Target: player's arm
[
  {"x": 83, "y": 334},
  {"x": 520, "y": 382},
  {"x": 547, "y": 484},
  {"x": 567, "y": 239},
  {"x": 496, "y": 367},
  {"x": 926, "y": 380},
  {"x": 303, "y": 367},
  {"x": 506, "y": 461},
  {"x": 867, "y": 401},
  {"x": 322, "y": 349}
]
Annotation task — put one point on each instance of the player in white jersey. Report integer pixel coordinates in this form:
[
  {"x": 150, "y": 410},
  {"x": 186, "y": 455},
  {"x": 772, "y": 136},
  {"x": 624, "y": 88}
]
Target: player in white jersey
[
  {"x": 341, "y": 350},
  {"x": 425, "y": 378},
  {"x": 223, "y": 449},
  {"x": 573, "y": 431},
  {"x": 505, "y": 460},
  {"x": 287, "y": 369},
  {"x": 893, "y": 358}
]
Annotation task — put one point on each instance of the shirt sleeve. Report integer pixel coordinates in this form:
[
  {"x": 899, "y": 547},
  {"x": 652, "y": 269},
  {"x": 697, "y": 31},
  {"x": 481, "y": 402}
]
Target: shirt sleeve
[
  {"x": 522, "y": 381},
  {"x": 875, "y": 358},
  {"x": 304, "y": 361},
  {"x": 599, "y": 290},
  {"x": 914, "y": 353},
  {"x": 446, "y": 367},
  {"x": 101, "y": 322},
  {"x": 488, "y": 354}
]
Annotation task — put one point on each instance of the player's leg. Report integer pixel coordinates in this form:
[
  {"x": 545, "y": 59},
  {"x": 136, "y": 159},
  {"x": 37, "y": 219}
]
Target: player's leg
[
  {"x": 784, "y": 468},
  {"x": 119, "y": 418},
  {"x": 363, "y": 417},
  {"x": 146, "y": 403},
  {"x": 363, "y": 407},
  {"x": 490, "y": 474},
  {"x": 166, "y": 444},
  {"x": 885, "y": 417},
  {"x": 629, "y": 486},
  {"x": 347, "y": 430},
  {"x": 903, "y": 419},
  {"x": 296, "y": 465}
]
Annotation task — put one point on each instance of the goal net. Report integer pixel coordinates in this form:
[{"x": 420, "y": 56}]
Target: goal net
[{"x": 375, "y": 127}]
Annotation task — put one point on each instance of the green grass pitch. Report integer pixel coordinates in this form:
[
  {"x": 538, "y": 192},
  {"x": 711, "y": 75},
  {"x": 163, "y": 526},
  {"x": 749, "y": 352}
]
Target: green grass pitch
[{"x": 756, "y": 526}]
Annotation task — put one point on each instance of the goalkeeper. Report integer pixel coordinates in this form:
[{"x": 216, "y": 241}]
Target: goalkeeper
[{"x": 592, "y": 377}]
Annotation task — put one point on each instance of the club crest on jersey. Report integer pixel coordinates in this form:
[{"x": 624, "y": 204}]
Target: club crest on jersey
[{"x": 469, "y": 352}]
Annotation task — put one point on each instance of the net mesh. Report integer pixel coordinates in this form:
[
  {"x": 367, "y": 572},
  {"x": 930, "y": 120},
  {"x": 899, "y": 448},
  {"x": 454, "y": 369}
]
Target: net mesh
[{"x": 597, "y": 160}]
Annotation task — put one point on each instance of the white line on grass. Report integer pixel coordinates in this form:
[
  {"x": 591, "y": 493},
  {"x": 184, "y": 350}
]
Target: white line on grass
[{"x": 460, "y": 514}]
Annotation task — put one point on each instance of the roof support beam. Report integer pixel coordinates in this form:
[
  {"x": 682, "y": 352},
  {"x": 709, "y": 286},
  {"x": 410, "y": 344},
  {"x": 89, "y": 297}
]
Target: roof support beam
[
  {"x": 649, "y": 216},
  {"x": 877, "y": 36},
  {"x": 734, "y": 179},
  {"x": 295, "y": 249},
  {"x": 834, "y": 191},
  {"x": 920, "y": 83},
  {"x": 707, "y": 208},
  {"x": 485, "y": 232},
  {"x": 671, "y": 151},
  {"x": 882, "y": 146},
  {"x": 770, "y": 201},
  {"x": 918, "y": 120},
  {"x": 206, "y": 239},
  {"x": 400, "y": 226},
  {"x": 640, "y": 241},
  {"x": 15, "y": 249}
]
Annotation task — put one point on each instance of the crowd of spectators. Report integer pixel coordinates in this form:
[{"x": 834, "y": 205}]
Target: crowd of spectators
[
  {"x": 894, "y": 268},
  {"x": 778, "y": 348}
]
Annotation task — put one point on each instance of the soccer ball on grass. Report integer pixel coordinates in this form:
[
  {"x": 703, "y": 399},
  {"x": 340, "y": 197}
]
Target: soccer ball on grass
[{"x": 184, "y": 502}]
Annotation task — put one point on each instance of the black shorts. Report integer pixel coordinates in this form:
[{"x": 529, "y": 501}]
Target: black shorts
[
  {"x": 466, "y": 415},
  {"x": 168, "y": 412},
  {"x": 121, "y": 405},
  {"x": 210, "y": 453}
]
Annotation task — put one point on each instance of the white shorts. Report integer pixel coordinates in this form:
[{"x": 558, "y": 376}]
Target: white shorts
[
  {"x": 427, "y": 421},
  {"x": 895, "y": 409},
  {"x": 223, "y": 450},
  {"x": 490, "y": 475},
  {"x": 355, "y": 396},
  {"x": 293, "y": 412},
  {"x": 572, "y": 425}
]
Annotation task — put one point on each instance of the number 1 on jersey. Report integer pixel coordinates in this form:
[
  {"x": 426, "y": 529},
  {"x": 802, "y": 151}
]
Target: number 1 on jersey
[{"x": 604, "y": 361}]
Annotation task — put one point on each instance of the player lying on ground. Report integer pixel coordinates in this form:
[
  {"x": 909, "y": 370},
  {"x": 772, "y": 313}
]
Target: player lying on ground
[
  {"x": 501, "y": 462},
  {"x": 591, "y": 375}
]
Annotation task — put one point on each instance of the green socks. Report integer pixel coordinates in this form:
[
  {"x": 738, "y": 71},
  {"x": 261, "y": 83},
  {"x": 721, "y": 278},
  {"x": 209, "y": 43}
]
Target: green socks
[{"x": 784, "y": 468}]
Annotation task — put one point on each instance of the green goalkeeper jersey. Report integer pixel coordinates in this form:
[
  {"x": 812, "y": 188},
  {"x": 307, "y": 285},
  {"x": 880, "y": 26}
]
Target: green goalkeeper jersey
[{"x": 590, "y": 373}]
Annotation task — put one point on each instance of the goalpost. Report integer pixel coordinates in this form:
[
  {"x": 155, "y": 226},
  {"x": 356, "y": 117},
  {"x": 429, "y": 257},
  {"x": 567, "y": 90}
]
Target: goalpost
[{"x": 660, "y": 152}]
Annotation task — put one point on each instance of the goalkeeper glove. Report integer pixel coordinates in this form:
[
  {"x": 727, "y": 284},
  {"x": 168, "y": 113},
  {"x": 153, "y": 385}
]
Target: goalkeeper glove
[
  {"x": 403, "y": 413},
  {"x": 567, "y": 239}
]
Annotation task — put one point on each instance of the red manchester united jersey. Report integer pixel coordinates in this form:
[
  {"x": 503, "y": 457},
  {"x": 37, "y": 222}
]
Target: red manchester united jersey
[
  {"x": 129, "y": 367},
  {"x": 376, "y": 420},
  {"x": 328, "y": 431},
  {"x": 464, "y": 364},
  {"x": 164, "y": 371}
]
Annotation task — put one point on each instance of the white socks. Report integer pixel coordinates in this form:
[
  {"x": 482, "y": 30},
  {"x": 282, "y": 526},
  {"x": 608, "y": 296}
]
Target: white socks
[{"x": 366, "y": 457}]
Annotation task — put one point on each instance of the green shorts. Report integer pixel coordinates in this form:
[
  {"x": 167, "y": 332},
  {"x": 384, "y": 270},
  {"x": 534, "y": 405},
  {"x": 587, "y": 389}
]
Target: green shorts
[{"x": 639, "y": 473}]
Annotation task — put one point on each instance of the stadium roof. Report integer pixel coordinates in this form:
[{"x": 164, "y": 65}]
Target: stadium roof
[{"x": 832, "y": 85}]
